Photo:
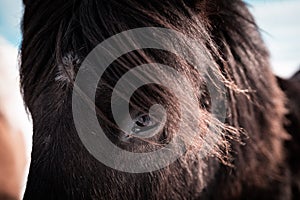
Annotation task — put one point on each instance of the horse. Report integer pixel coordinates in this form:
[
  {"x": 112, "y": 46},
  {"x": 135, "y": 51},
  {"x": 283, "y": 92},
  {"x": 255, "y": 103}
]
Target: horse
[{"x": 225, "y": 132}]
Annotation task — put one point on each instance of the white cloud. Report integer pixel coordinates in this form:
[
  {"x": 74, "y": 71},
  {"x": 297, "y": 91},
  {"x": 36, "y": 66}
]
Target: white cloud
[
  {"x": 11, "y": 103},
  {"x": 10, "y": 98}
]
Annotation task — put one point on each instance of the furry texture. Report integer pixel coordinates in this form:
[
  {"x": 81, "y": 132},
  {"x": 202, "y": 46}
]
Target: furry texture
[
  {"x": 249, "y": 161},
  {"x": 292, "y": 125}
]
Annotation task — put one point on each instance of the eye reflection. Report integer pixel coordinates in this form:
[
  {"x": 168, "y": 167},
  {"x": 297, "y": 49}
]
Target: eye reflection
[{"x": 143, "y": 122}]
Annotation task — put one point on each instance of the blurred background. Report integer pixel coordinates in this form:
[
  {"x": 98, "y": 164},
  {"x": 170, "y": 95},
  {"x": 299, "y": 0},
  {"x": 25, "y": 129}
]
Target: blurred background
[{"x": 279, "y": 21}]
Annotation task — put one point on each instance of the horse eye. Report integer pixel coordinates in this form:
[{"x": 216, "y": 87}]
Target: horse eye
[
  {"x": 143, "y": 122},
  {"x": 142, "y": 125}
]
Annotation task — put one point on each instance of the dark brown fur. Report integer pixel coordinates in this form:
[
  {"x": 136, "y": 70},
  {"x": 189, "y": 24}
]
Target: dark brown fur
[{"x": 250, "y": 161}]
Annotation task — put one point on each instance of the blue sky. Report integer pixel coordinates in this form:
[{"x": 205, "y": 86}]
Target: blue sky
[
  {"x": 10, "y": 15},
  {"x": 279, "y": 20}
]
